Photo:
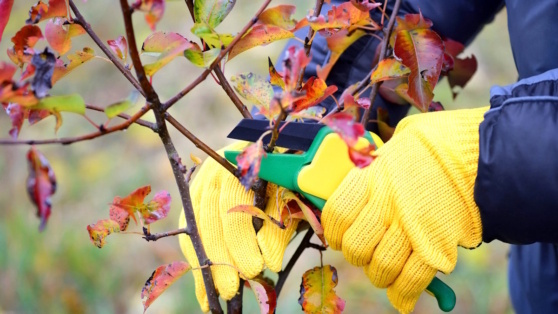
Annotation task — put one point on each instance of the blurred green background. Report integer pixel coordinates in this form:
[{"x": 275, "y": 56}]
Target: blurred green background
[{"x": 60, "y": 271}]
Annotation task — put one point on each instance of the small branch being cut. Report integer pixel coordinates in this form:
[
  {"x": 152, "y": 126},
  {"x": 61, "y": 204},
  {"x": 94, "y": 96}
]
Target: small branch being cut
[
  {"x": 81, "y": 21},
  {"x": 308, "y": 41},
  {"x": 383, "y": 52},
  {"x": 217, "y": 61}
]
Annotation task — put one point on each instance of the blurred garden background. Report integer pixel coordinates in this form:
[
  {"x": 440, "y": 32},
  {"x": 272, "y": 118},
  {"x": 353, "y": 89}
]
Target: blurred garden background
[{"x": 60, "y": 271}]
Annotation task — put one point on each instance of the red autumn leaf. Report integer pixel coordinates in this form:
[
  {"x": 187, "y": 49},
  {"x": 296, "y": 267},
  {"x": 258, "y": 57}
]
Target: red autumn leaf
[
  {"x": 310, "y": 215},
  {"x": 24, "y": 40},
  {"x": 17, "y": 116},
  {"x": 409, "y": 22},
  {"x": 41, "y": 11},
  {"x": 7, "y": 72},
  {"x": 295, "y": 59},
  {"x": 5, "y": 10},
  {"x": 435, "y": 106},
  {"x": 422, "y": 51},
  {"x": 362, "y": 157},
  {"x": 389, "y": 69},
  {"x": 274, "y": 77},
  {"x": 11, "y": 92},
  {"x": 317, "y": 294},
  {"x": 353, "y": 106},
  {"x": 315, "y": 91},
  {"x": 119, "y": 46},
  {"x": 265, "y": 294},
  {"x": 36, "y": 115},
  {"x": 462, "y": 68},
  {"x": 132, "y": 202},
  {"x": 344, "y": 124},
  {"x": 366, "y": 5},
  {"x": 76, "y": 59},
  {"x": 99, "y": 231},
  {"x": 344, "y": 16},
  {"x": 157, "y": 209},
  {"x": 259, "y": 35},
  {"x": 162, "y": 278},
  {"x": 387, "y": 91},
  {"x": 59, "y": 34},
  {"x": 153, "y": 9},
  {"x": 119, "y": 214},
  {"x": 166, "y": 46},
  {"x": 41, "y": 184},
  {"x": 249, "y": 162}
]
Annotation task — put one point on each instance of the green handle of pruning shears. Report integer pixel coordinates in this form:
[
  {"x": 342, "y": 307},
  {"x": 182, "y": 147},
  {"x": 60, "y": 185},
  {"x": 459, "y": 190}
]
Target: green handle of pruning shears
[{"x": 284, "y": 170}]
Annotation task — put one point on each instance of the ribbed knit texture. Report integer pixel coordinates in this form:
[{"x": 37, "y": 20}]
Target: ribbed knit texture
[
  {"x": 403, "y": 217},
  {"x": 230, "y": 238}
]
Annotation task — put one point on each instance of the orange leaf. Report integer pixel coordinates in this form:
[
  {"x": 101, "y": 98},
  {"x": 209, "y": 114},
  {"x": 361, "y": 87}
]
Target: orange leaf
[
  {"x": 77, "y": 59},
  {"x": 120, "y": 47},
  {"x": 40, "y": 11},
  {"x": 250, "y": 210},
  {"x": 408, "y": 23},
  {"x": 153, "y": 9},
  {"x": 119, "y": 215},
  {"x": 99, "y": 231},
  {"x": 57, "y": 35},
  {"x": 309, "y": 214},
  {"x": 315, "y": 90},
  {"x": 295, "y": 59},
  {"x": 340, "y": 17},
  {"x": 5, "y": 10},
  {"x": 162, "y": 278},
  {"x": 133, "y": 201},
  {"x": 422, "y": 51},
  {"x": 265, "y": 294},
  {"x": 365, "y": 5},
  {"x": 274, "y": 77},
  {"x": 389, "y": 69},
  {"x": 41, "y": 184},
  {"x": 259, "y": 35},
  {"x": 24, "y": 40},
  {"x": 166, "y": 46},
  {"x": 280, "y": 15},
  {"x": 317, "y": 294}
]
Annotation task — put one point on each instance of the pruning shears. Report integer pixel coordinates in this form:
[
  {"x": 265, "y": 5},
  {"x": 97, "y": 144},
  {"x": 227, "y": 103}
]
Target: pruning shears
[{"x": 317, "y": 171}]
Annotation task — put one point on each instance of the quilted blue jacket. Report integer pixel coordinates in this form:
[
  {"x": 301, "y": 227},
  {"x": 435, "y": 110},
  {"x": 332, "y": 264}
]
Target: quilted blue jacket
[{"x": 517, "y": 182}]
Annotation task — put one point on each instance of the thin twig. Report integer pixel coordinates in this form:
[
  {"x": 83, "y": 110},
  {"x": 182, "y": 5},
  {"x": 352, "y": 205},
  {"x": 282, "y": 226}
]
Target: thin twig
[
  {"x": 275, "y": 132},
  {"x": 285, "y": 272},
  {"x": 232, "y": 95},
  {"x": 308, "y": 41},
  {"x": 200, "y": 144},
  {"x": 156, "y": 236},
  {"x": 81, "y": 21},
  {"x": 217, "y": 61},
  {"x": 383, "y": 51},
  {"x": 190, "y": 4},
  {"x": 124, "y": 116},
  {"x": 70, "y": 140}
]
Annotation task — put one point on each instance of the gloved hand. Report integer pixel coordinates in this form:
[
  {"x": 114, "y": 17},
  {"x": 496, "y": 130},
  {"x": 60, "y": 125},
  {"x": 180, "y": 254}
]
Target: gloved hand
[
  {"x": 230, "y": 238},
  {"x": 403, "y": 217}
]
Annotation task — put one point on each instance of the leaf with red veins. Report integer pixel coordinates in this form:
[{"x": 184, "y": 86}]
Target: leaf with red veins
[
  {"x": 462, "y": 68},
  {"x": 317, "y": 294},
  {"x": 41, "y": 184},
  {"x": 422, "y": 51},
  {"x": 158, "y": 208},
  {"x": 166, "y": 46},
  {"x": 274, "y": 77},
  {"x": 256, "y": 90},
  {"x": 162, "y": 278},
  {"x": 338, "y": 43},
  {"x": 409, "y": 22},
  {"x": 295, "y": 59},
  {"x": 17, "y": 116},
  {"x": 100, "y": 230},
  {"x": 131, "y": 203},
  {"x": 311, "y": 215},
  {"x": 24, "y": 41},
  {"x": 366, "y": 5},
  {"x": 120, "y": 47},
  {"x": 249, "y": 162},
  {"x": 340, "y": 17},
  {"x": 265, "y": 294},
  {"x": 259, "y": 35},
  {"x": 389, "y": 69},
  {"x": 5, "y": 10},
  {"x": 344, "y": 124},
  {"x": 153, "y": 9},
  {"x": 315, "y": 91},
  {"x": 281, "y": 16},
  {"x": 41, "y": 11},
  {"x": 76, "y": 59}
]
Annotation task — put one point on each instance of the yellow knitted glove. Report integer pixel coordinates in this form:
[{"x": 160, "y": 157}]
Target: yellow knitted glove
[
  {"x": 403, "y": 217},
  {"x": 230, "y": 239}
]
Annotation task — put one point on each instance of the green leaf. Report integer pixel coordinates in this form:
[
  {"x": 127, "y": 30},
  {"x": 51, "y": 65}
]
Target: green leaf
[
  {"x": 317, "y": 294},
  {"x": 115, "y": 109},
  {"x": 56, "y": 104},
  {"x": 200, "y": 58},
  {"x": 210, "y": 37},
  {"x": 212, "y": 12}
]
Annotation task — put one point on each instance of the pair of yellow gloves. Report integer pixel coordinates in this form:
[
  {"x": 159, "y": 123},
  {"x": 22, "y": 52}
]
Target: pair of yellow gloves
[{"x": 401, "y": 218}]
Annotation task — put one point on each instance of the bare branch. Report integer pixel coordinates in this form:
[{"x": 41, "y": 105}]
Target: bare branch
[
  {"x": 383, "y": 51},
  {"x": 81, "y": 21},
  {"x": 141, "y": 122},
  {"x": 285, "y": 272},
  {"x": 217, "y": 61},
  {"x": 156, "y": 236},
  {"x": 232, "y": 95},
  {"x": 308, "y": 41}
]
